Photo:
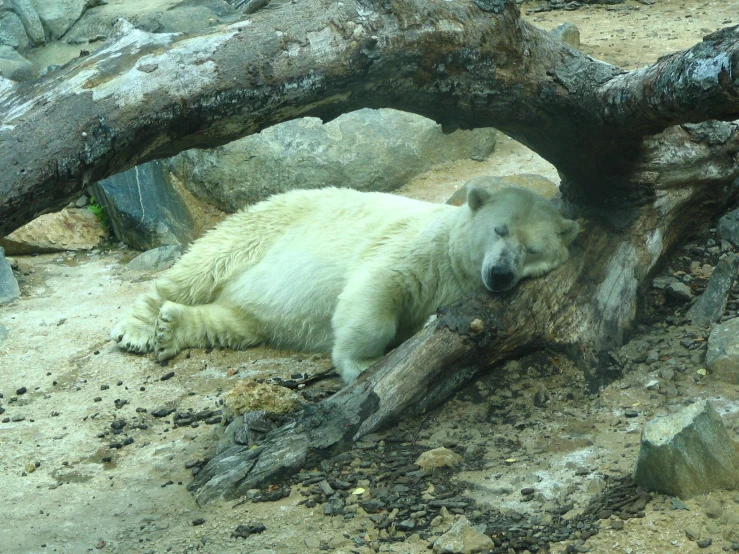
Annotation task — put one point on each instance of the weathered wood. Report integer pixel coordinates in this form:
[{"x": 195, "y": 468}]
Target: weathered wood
[{"x": 144, "y": 96}]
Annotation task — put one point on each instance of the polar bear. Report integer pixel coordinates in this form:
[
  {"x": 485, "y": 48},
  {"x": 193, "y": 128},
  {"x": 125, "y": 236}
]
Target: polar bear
[{"x": 340, "y": 271}]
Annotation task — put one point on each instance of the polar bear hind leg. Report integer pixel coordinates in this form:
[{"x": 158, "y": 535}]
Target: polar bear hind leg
[{"x": 179, "y": 326}]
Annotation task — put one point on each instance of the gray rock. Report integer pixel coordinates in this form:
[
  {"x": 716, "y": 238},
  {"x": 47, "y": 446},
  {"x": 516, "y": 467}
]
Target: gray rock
[
  {"x": 12, "y": 31},
  {"x": 15, "y": 67},
  {"x": 722, "y": 355},
  {"x": 728, "y": 227},
  {"x": 156, "y": 259},
  {"x": 687, "y": 453},
  {"x": 377, "y": 150},
  {"x": 9, "y": 291},
  {"x": 663, "y": 281},
  {"x": 462, "y": 538},
  {"x": 567, "y": 33},
  {"x": 30, "y": 19},
  {"x": 712, "y": 303},
  {"x": 3, "y": 333},
  {"x": 679, "y": 291},
  {"x": 145, "y": 210},
  {"x": 58, "y": 17}
]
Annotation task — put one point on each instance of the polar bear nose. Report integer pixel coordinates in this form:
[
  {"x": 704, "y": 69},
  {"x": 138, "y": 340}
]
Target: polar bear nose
[{"x": 500, "y": 278}]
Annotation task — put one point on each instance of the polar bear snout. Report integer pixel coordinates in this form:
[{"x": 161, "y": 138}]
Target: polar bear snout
[{"x": 500, "y": 278}]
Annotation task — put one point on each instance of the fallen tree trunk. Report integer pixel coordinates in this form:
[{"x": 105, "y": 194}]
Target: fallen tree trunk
[
  {"x": 144, "y": 96},
  {"x": 637, "y": 165}
]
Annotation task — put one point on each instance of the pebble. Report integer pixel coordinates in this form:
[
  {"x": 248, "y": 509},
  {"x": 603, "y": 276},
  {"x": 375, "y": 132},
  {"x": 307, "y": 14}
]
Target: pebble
[
  {"x": 705, "y": 543},
  {"x": 312, "y": 542},
  {"x": 713, "y": 509}
]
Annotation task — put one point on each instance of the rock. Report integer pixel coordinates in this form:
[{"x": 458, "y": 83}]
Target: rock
[
  {"x": 247, "y": 396},
  {"x": 728, "y": 227},
  {"x": 567, "y": 33},
  {"x": 3, "y": 329},
  {"x": 145, "y": 210},
  {"x": 12, "y": 32},
  {"x": 13, "y": 66},
  {"x": 9, "y": 291},
  {"x": 462, "y": 538},
  {"x": 370, "y": 150},
  {"x": 713, "y": 508},
  {"x": 58, "y": 17},
  {"x": 438, "y": 457},
  {"x": 712, "y": 303},
  {"x": 70, "y": 229},
  {"x": 156, "y": 259},
  {"x": 687, "y": 453},
  {"x": 30, "y": 20},
  {"x": 536, "y": 183},
  {"x": 722, "y": 355},
  {"x": 679, "y": 291},
  {"x": 312, "y": 542}
]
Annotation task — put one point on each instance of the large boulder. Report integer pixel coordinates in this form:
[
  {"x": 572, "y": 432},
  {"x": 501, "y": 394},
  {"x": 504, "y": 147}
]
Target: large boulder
[
  {"x": 145, "y": 210},
  {"x": 70, "y": 229},
  {"x": 26, "y": 11},
  {"x": 370, "y": 150},
  {"x": 687, "y": 453},
  {"x": 12, "y": 32}
]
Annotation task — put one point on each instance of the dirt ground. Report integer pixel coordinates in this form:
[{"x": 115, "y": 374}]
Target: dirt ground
[{"x": 69, "y": 483}]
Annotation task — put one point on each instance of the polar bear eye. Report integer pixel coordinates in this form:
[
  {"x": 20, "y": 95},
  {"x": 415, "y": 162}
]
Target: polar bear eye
[
  {"x": 532, "y": 250},
  {"x": 502, "y": 230}
]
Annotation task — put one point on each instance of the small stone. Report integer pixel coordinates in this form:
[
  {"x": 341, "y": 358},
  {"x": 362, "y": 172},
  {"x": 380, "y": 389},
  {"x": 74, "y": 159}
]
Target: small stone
[
  {"x": 617, "y": 524},
  {"x": 22, "y": 390},
  {"x": 679, "y": 291},
  {"x": 438, "y": 457},
  {"x": 567, "y": 33},
  {"x": 462, "y": 538},
  {"x": 692, "y": 533},
  {"x": 704, "y": 543},
  {"x": 713, "y": 509},
  {"x": 198, "y": 521},
  {"x": 312, "y": 542}
]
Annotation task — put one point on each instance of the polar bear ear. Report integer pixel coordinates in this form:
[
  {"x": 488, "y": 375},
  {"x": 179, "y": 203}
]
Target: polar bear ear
[
  {"x": 568, "y": 230},
  {"x": 477, "y": 197}
]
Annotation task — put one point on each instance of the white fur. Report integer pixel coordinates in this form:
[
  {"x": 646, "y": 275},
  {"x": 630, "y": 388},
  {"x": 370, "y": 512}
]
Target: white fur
[{"x": 335, "y": 270}]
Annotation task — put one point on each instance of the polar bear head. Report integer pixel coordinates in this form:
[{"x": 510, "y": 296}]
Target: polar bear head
[{"x": 518, "y": 233}]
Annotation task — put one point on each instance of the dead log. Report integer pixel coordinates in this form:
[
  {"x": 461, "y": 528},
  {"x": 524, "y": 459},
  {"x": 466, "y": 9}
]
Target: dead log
[
  {"x": 143, "y": 96},
  {"x": 637, "y": 163}
]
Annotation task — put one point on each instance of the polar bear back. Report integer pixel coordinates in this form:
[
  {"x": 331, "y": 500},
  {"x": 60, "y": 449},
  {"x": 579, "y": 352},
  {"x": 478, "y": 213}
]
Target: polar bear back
[{"x": 315, "y": 241}]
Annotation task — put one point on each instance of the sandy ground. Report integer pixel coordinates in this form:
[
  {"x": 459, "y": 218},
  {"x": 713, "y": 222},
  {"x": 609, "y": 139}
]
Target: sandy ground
[{"x": 65, "y": 489}]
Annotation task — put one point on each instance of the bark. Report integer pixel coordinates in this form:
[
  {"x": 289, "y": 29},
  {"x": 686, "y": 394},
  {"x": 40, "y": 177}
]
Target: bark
[
  {"x": 465, "y": 64},
  {"x": 636, "y": 163}
]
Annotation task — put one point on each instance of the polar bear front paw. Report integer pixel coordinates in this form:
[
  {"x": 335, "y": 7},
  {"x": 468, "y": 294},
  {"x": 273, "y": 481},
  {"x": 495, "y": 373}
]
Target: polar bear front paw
[
  {"x": 166, "y": 344},
  {"x": 133, "y": 335}
]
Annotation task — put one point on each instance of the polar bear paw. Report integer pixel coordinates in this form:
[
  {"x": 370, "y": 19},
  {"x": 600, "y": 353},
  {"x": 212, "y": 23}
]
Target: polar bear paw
[
  {"x": 166, "y": 345},
  {"x": 134, "y": 335}
]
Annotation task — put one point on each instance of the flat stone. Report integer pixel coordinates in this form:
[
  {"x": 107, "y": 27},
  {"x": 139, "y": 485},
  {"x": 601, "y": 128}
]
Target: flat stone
[
  {"x": 156, "y": 259},
  {"x": 69, "y": 229},
  {"x": 722, "y": 355},
  {"x": 9, "y": 291},
  {"x": 369, "y": 150},
  {"x": 712, "y": 303},
  {"x": 438, "y": 457},
  {"x": 679, "y": 291},
  {"x": 462, "y": 538},
  {"x": 687, "y": 453}
]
